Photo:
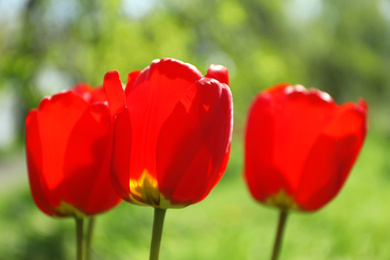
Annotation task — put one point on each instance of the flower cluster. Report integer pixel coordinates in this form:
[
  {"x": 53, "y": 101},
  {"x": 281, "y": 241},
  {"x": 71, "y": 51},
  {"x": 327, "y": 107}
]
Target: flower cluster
[
  {"x": 168, "y": 148},
  {"x": 163, "y": 140}
]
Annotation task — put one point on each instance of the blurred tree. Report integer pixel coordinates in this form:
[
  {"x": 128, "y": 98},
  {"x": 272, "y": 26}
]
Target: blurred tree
[{"x": 340, "y": 46}]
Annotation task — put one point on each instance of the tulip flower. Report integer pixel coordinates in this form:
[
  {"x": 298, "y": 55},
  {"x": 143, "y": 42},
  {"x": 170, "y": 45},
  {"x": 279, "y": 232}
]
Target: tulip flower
[
  {"x": 69, "y": 146},
  {"x": 172, "y": 133},
  {"x": 300, "y": 147}
]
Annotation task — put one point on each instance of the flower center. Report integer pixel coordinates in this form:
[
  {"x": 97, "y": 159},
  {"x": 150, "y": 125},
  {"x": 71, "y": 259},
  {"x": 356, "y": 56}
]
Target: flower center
[
  {"x": 145, "y": 190},
  {"x": 282, "y": 200},
  {"x": 68, "y": 210}
]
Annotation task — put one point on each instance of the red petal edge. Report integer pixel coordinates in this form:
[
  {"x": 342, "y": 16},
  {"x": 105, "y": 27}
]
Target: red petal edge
[
  {"x": 115, "y": 94},
  {"x": 219, "y": 73}
]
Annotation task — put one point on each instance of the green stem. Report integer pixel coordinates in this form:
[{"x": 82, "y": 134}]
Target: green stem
[
  {"x": 88, "y": 239},
  {"x": 158, "y": 222},
  {"x": 79, "y": 237},
  {"x": 279, "y": 235}
]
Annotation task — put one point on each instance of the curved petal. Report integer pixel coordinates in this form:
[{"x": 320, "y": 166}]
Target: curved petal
[
  {"x": 300, "y": 116},
  {"x": 83, "y": 90},
  {"x": 194, "y": 142},
  {"x": 331, "y": 159},
  {"x": 219, "y": 73},
  {"x": 55, "y": 119},
  {"x": 115, "y": 94},
  {"x": 120, "y": 176},
  {"x": 261, "y": 172},
  {"x": 150, "y": 101},
  {"x": 89, "y": 94},
  {"x": 131, "y": 78},
  {"x": 87, "y": 162},
  {"x": 217, "y": 129},
  {"x": 39, "y": 189},
  {"x": 98, "y": 95}
]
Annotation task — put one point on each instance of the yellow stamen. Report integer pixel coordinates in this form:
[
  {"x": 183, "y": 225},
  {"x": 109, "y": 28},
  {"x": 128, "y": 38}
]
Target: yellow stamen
[{"x": 144, "y": 191}]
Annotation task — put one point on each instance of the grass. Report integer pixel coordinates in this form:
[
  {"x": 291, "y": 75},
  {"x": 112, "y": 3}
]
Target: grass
[{"x": 228, "y": 224}]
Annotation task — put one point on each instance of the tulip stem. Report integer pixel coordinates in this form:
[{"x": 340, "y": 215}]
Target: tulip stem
[
  {"x": 158, "y": 222},
  {"x": 279, "y": 235},
  {"x": 79, "y": 237},
  {"x": 88, "y": 239}
]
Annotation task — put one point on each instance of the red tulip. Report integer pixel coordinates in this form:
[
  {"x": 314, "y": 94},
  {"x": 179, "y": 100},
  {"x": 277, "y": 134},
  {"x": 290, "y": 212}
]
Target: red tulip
[
  {"x": 300, "y": 146},
  {"x": 172, "y": 134},
  {"x": 69, "y": 147}
]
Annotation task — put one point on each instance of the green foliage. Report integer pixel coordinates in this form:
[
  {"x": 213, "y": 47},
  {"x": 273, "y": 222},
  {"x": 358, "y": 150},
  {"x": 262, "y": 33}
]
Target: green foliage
[
  {"x": 341, "y": 48},
  {"x": 228, "y": 224}
]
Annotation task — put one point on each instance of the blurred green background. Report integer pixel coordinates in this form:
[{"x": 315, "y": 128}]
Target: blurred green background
[{"x": 339, "y": 46}]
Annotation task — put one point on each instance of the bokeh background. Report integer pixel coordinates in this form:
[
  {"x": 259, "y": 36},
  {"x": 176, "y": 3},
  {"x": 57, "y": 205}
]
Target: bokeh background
[{"x": 339, "y": 46}]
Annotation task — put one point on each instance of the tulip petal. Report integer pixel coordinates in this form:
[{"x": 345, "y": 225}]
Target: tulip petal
[
  {"x": 89, "y": 94},
  {"x": 300, "y": 116},
  {"x": 55, "y": 119},
  {"x": 131, "y": 78},
  {"x": 262, "y": 176},
  {"x": 331, "y": 159},
  {"x": 84, "y": 91},
  {"x": 120, "y": 176},
  {"x": 114, "y": 91},
  {"x": 87, "y": 161},
  {"x": 150, "y": 101},
  {"x": 98, "y": 95},
  {"x": 193, "y": 144},
  {"x": 219, "y": 73},
  {"x": 217, "y": 127},
  {"x": 39, "y": 189}
]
